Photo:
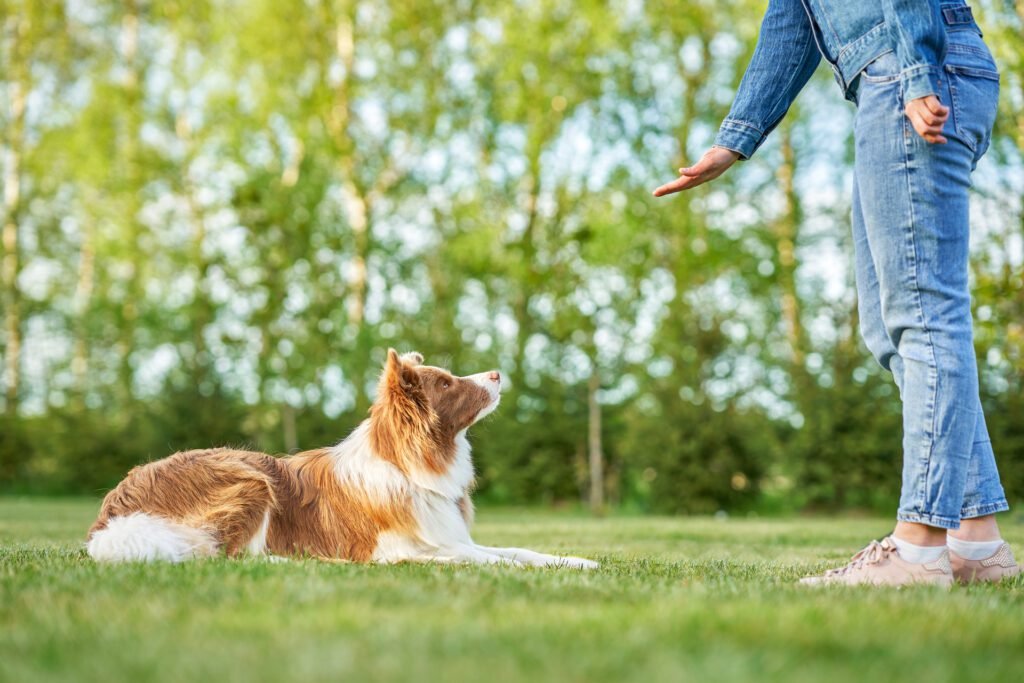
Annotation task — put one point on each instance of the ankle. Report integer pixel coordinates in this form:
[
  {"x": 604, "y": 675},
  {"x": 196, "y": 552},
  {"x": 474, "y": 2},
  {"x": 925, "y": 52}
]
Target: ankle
[
  {"x": 920, "y": 534},
  {"x": 979, "y": 529}
]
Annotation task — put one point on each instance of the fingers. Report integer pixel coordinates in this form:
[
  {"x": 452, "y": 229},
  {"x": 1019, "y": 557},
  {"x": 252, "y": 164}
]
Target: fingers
[
  {"x": 928, "y": 116},
  {"x": 932, "y": 132},
  {"x": 683, "y": 183},
  {"x": 935, "y": 107},
  {"x": 713, "y": 164},
  {"x": 689, "y": 180},
  {"x": 703, "y": 166}
]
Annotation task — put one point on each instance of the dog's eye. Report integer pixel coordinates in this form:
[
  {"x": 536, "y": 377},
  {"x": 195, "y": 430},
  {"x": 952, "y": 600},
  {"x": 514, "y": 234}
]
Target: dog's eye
[{"x": 445, "y": 384}]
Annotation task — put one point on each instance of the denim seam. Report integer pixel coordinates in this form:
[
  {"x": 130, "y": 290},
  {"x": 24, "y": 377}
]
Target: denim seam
[
  {"x": 931, "y": 520},
  {"x": 877, "y": 28},
  {"x": 966, "y": 49},
  {"x": 889, "y": 78},
  {"x": 832, "y": 30},
  {"x": 986, "y": 509},
  {"x": 916, "y": 70},
  {"x": 916, "y": 292},
  {"x": 954, "y": 105},
  {"x": 737, "y": 123},
  {"x": 973, "y": 71}
]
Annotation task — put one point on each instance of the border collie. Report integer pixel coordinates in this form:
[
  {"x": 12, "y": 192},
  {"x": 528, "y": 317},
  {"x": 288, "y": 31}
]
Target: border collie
[{"x": 397, "y": 489}]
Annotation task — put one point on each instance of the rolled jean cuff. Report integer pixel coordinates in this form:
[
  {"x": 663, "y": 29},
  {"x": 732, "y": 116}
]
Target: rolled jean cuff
[
  {"x": 984, "y": 510},
  {"x": 930, "y": 520}
]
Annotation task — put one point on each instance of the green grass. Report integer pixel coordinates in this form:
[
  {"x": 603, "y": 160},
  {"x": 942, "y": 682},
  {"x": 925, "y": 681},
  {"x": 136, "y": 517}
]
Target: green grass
[{"x": 689, "y": 599}]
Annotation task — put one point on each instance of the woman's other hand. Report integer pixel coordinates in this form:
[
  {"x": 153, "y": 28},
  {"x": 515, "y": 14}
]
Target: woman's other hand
[
  {"x": 714, "y": 163},
  {"x": 928, "y": 115}
]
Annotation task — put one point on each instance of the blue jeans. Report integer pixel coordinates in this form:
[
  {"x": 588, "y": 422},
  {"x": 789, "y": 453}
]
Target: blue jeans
[{"x": 910, "y": 230}]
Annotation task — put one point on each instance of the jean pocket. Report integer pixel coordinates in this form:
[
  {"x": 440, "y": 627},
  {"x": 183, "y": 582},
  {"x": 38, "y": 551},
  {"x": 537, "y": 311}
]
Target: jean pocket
[{"x": 974, "y": 99}]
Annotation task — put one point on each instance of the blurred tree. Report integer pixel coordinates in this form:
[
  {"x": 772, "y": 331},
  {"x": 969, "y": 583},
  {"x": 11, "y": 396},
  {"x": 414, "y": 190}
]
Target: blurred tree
[{"x": 219, "y": 214}]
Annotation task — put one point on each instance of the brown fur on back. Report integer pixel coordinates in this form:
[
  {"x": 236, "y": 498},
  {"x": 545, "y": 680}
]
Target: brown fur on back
[
  {"x": 221, "y": 490},
  {"x": 227, "y": 492}
]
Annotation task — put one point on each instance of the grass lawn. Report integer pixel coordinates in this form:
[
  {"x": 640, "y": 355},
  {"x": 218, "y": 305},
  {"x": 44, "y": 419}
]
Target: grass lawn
[{"x": 688, "y": 599}]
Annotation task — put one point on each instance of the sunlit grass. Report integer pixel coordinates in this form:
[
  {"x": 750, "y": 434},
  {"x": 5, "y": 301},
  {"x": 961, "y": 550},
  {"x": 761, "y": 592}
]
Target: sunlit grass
[{"x": 676, "y": 599}]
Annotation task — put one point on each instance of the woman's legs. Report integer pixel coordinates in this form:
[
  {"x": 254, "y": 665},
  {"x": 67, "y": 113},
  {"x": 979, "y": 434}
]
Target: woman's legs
[
  {"x": 910, "y": 228},
  {"x": 910, "y": 220},
  {"x": 982, "y": 476}
]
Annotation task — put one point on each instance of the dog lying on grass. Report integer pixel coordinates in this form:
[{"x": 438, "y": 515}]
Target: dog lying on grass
[{"x": 397, "y": 489}]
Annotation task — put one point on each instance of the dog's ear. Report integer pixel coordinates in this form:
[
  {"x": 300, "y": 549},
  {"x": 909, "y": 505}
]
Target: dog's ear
[
  {"x": 401, "y": 418},
  {"x": 400, "y": 374},
  {"x": 413, "y": 358}
]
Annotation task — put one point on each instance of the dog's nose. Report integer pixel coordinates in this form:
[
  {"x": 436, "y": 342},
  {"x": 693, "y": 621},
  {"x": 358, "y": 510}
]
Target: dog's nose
[{"x": 494, "y": 376}]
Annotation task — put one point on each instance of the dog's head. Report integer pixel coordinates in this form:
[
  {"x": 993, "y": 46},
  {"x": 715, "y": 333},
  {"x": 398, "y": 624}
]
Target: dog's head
[{"x": 421, "y": 409}]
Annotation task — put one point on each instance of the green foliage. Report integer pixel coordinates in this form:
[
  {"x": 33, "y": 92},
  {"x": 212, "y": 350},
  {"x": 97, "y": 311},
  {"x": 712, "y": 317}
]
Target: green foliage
[{"x": 224, "y": 213}]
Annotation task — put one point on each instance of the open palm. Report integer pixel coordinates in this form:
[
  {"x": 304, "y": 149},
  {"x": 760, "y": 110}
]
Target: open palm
[{"x": 714, "y": 163}]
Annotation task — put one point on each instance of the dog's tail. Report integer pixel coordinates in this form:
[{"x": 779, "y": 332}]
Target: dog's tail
[{"x": 141, "y": 537}]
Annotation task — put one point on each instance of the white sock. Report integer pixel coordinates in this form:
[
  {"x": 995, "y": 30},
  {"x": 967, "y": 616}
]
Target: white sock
[
  {"x": 973, "y": 550},
  {"x": 918, "y": 554}
]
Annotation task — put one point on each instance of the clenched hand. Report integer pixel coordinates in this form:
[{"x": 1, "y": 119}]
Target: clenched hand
[
  {"x": 713, "y": 164},
  {"x": 927, "y": 115}
]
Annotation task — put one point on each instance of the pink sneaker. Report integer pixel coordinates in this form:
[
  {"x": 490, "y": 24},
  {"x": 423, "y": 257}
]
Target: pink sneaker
[
  {"x": 999, "y": 566},
  {"x": 879, "y": 564}
]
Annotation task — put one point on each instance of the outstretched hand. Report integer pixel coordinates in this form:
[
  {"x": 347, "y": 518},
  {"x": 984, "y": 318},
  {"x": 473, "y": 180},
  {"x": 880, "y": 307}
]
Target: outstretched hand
[
  {"x": 927, "y": 115},
  {"x": 713, "y": 164}
]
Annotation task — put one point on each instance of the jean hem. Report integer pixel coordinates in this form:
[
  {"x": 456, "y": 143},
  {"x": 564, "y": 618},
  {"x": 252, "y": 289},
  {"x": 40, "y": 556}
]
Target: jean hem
[
  {"x": 985, "y": 510},
  {"x": 930, "y": 520}
]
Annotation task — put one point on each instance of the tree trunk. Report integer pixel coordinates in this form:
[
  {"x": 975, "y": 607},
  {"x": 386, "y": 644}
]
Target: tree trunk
[
  {"x": 582, "y": 471},
  {"x": 356, "y": 204},
  {"x": 11, "y": 266},
  {"x": 786, "y": 235},
  {"x": 528, "y": 248},
  {"x": 358, "y": 211},
  {"x": 83, "y": 297},
  {"x": 291, "y": 439},
  {"x": 202, "y": 308},
  {"x": 594, "y": 444},
  {"x": 129, "y": 176}
]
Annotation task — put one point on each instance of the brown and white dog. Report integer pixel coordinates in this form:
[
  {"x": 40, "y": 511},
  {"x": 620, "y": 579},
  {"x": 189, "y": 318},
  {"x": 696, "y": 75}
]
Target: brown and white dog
[{"x": 397, "y": 489}]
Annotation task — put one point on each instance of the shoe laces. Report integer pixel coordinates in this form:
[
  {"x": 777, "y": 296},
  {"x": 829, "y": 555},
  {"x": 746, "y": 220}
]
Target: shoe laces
[{"x": 873, "y": 553}]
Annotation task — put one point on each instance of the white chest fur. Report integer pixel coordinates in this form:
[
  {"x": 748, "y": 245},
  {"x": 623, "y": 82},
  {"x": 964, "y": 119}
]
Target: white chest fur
[
  {"x": 433, "y": 497},
  {"x": 358, "y": 467},
  {"x": 453, "y": 483}
]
